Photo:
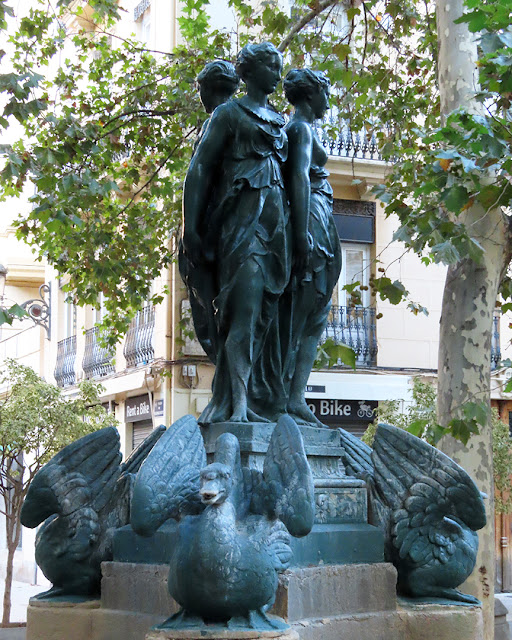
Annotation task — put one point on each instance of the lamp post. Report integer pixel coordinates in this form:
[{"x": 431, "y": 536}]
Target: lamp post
[{"x": 37, "y": 309}]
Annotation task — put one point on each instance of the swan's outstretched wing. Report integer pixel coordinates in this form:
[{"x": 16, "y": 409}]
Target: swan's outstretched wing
[
  {"x": 167, "y": 485},
  {"x": 432, "y": 498},
  {"x": 357, "y": 455},
  {"x": 133, "y": 463},
  {"x": 357, "y": 458},
  {"x": 83, "y": 474},
  {"x": 288, "y": 479},
  {"x": 116, "y": 512}
]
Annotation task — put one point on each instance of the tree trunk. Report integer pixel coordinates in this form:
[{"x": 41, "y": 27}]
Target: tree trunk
[
  {"x": 468, "y": 305},
  {"x": 12, "y": 535},
  {"x": 6, "y": 617}
]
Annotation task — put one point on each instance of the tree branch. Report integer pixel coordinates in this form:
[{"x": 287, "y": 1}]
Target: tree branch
[{"x": 306, "y": 19}]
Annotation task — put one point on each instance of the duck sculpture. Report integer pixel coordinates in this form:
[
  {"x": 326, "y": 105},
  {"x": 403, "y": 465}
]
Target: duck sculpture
[
  {"x": 428, "y": 508},
  {"x": 234, "y": 523},
  {"x": 82, "y": 495}
]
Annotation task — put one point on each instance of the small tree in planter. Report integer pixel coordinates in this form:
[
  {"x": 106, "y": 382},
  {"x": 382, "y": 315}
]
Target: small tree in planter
[{"x": 36, "y": 421}]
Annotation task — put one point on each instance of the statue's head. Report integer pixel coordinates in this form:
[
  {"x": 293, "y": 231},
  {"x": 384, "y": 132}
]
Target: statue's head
[
  {"x": 218, "y": 81},
  {"x": 216, "y": 482},
  {"x": 306, "y": 85},
  {"x": 260, "y": 64}
]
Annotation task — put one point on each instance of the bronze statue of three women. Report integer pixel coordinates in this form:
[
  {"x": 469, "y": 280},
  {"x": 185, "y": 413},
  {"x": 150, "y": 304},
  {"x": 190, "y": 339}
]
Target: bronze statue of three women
[{"x": 260, "y": 254}]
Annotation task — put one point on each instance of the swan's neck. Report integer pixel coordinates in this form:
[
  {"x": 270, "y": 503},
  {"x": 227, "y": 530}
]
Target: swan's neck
[{"x": 220, "y": 520}]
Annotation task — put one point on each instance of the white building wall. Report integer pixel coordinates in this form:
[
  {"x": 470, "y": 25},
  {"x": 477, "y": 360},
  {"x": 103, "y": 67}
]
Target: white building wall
[{"x": 406, "y": 340}]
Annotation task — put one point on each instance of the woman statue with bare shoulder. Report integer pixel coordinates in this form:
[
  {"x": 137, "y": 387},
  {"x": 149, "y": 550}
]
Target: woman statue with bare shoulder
[
  {"x": 305, "y": 308},
  {"x": 235, "y": 180},
  {"x": 217, "y": 82}
]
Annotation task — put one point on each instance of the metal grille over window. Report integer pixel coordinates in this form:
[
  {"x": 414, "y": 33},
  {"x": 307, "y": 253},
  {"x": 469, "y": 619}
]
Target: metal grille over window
[
  {"x": 140, "y": 432},
  {"x": 97, "y": 360},
  {"x": 138, "y": 347},
  {"x": 140, "y": 9},
  {"x": 65, "y": 366},
  {"x": 355, "y": 327}
]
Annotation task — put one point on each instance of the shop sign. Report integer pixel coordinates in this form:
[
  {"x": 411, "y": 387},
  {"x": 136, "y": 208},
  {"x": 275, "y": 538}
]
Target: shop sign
[
  {"x": 159, "y": 408},
  {"x": 137, "y": 408},
  {"x": 334, "y": 411},
  {"x": 315, "y": 388}
]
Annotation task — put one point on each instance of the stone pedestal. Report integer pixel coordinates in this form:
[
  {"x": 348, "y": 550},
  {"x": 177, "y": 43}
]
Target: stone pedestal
[
  {"x": 352, "y": 602},
  {"x": 341, "y": 534},
  {"x": 47, "y": 620},
  {"x": 220, "y": 634}
]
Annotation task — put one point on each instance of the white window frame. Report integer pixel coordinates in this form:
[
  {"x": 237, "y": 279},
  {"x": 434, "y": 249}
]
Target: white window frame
[{"x": 363, "y": 277}]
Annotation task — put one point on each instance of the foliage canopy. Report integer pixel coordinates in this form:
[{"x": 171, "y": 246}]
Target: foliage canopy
[{"x": 108, "y": 131}]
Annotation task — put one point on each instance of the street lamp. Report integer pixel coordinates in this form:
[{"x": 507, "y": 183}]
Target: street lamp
[{"x": 37, "y": 309}]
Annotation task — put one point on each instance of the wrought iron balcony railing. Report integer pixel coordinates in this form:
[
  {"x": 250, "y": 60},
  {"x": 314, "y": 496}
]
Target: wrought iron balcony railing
[
  {"x": 355, "y": 327},
  {"x": 138, "y": 347},
  {"x": 65, "y": 366},
  {"x": 97, "y": 358},
  {"x": 347, "y": 143},
  {"x": 495, "y": 340}
]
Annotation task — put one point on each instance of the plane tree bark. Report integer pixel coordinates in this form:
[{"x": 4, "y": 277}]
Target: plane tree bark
[{"x": 469, "y": 301}]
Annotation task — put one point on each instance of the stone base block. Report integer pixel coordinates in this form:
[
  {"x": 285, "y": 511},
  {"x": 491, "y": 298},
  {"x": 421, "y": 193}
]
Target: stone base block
[
  {"x": 136, "y": 587},
  {"x": 48, "y": 620},
  {"x": 220, "y": 634},
  {"x": 109, "y": 624},
  {"x": 321, "y": 592},
  {"x": 311, "y": 592},
  {"x": 501, "y": 626},
  {"x": 443, "y": 622},
  {"x": 385, "y": 625},
  {"x": 349, "y": 602}
]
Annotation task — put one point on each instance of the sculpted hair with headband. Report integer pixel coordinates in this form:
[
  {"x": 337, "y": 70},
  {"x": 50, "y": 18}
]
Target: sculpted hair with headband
[
  {"x": 219, "y": 72},
  {"x": 301, "y": 83},
  {"x": 254, "y": 53}
]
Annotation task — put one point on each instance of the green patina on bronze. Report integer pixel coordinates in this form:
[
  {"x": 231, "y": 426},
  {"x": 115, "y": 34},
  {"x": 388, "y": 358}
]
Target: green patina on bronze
[
  {"x": 81, "y": 496},
  {"x": 428, "y": 508},
  {"x": 260, "y": 257},
  {"x": 233, "y": 536},
  {"x": 260, "y": 254}
]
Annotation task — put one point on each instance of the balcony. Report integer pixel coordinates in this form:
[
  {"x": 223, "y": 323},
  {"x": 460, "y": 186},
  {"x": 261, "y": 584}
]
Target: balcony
[
  {"x": 65, "y": 366},
  {"x": 97, "y": 360},
  {"x": 355, "y": 327},
  {"x": 347, "y": 143},
  {"x": 138, "y": 347}
]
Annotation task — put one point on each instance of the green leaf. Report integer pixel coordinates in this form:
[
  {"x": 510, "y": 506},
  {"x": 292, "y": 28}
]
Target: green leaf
[
  {"x": 17, "y": 311},
  {"x": 446, "y": 253},
  {"x": 5, "y": 318},
  {"x": 331, "y": 353},
  {"x": 416, "y": 427},
  {"x": 344, "y": 353},
  {"x": 395, "y": 291},
  {"x": 455, "y": 198}
]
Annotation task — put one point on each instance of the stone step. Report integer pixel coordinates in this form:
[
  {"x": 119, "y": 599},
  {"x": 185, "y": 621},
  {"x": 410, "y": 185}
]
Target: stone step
[
  {"x": 321, "y": 592},
  {"x": 425, "y": 622},
  {"x": 303, "y": 593},
  {"x": 353, "y": 602}
]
